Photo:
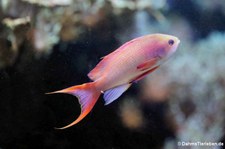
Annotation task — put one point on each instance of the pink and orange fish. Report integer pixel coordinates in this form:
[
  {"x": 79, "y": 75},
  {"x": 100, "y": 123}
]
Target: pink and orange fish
[{"x": 116, "y": 72}]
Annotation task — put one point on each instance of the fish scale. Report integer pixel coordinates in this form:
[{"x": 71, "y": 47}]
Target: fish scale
[{"x": 115, "y": 73}]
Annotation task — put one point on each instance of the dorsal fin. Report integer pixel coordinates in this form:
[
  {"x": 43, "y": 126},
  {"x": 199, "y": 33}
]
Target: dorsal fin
[
  {"x": 99, "y": 68},
  {"x": 121, "y": 48},
  {"x": 95, "y": 73}
]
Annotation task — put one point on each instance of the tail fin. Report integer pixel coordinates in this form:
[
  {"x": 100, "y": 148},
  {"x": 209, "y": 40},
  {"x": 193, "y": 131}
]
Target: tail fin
[{"x": 87, "y": 96}]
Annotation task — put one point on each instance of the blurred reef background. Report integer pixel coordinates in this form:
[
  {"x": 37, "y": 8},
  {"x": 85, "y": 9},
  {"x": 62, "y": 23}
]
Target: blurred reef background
[{"x": 47, "y": 45}]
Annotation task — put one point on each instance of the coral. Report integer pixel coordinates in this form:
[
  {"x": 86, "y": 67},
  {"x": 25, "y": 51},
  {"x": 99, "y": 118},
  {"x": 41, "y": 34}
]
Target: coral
[
  {"x": 196, "y": 74},
  {"x": 210, "y": 6},
  {"x": 50, "y": 3},
  {"x": 134, "y": 119},
  {"x": 43, "y": 41}
]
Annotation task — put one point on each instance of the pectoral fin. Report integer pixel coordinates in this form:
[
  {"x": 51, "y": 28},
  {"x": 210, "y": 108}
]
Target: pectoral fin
[
  {"x": 114, "y": 93},
  {"x": 148, "y": 64},
  {"x": 144, "y": 74}
]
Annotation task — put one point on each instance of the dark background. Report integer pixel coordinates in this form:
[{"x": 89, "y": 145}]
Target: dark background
[{"x": 28, "y": 116}]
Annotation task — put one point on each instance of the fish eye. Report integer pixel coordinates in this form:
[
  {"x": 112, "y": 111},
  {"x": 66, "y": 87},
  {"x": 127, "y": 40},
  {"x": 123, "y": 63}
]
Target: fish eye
[{"x": 171, "y": 42}]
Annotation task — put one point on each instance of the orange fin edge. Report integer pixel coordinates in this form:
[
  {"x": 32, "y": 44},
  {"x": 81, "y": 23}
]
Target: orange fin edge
[{"x": 87, "y": 96}]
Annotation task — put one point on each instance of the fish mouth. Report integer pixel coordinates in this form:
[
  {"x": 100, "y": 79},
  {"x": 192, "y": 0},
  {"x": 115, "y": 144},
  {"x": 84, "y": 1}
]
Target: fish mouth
[
  {"x": 178, "y": 42},
  {"x": 174, "y": 48},
  {"x": 176, "y": 45}
]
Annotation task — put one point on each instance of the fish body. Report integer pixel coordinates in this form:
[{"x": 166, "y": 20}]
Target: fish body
[{"x": 115, "y": 73}]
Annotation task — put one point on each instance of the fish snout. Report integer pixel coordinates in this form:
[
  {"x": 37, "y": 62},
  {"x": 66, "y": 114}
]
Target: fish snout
[
  {"x": 173, "y": 45},
  {"x": 173, "y": 41}
]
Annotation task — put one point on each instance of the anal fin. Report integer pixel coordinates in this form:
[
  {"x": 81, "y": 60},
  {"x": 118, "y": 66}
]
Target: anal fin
[{"x": 114, "y": 93}]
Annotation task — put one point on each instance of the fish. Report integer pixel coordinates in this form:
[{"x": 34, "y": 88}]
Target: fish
[{"x": 118, "y": 70}]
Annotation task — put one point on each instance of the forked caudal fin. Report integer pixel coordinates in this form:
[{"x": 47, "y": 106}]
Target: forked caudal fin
[{"x": 87, "y": 96}]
